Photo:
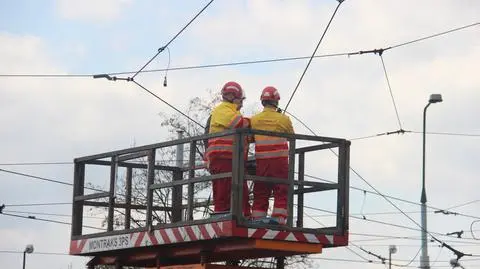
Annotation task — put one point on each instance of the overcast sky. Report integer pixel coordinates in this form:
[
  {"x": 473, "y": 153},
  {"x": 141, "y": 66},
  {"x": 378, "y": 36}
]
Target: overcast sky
[{"x": 59, "y": 119}]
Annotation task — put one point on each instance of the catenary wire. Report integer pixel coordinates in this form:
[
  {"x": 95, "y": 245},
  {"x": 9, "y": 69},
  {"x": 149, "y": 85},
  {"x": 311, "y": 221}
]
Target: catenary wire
[
  {"x": 47, "y": 214},
  {"x": 464, "y": 204},
  {"x": 390, "y": 90},
  {"x": 272, "y": 60},
  {"x": 313, "y": 54},
  {"x": 392, "y": 197},
  {"x": 433, "y": 36},
  {"x": 47, "y": 220},
  {"x": 168, "y": 104},
  {"x": 171, "y": 40},
  {"x": 35, "y": 163},
  {"x": 442, "y": 133},
  {"x": 44, "y": 179},
  {"x": 39, "y": 204},
  {"x": 306, "y": 175}
]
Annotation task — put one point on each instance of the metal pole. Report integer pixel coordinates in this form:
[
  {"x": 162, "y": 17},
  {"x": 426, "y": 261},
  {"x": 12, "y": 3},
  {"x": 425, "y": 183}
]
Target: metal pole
[
  {"x": 389, "y": 259},
  {"x": 180, "y": 150},
  {"x": 424, "y": 259},
  {"x": 24, "y": 254},
  {"x": 177, "y": 195}
]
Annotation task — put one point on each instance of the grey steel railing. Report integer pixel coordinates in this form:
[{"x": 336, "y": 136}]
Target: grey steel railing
[{"x": 182, "y": 208}]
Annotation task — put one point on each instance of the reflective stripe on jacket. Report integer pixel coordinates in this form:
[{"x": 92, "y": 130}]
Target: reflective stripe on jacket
[
  {"x": 224, "y": 117},
  {"x": 268, "y": 147}
]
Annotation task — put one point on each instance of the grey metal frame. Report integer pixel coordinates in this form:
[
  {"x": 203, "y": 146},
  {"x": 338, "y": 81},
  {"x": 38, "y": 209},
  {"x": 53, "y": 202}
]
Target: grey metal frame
[{"x": 121, "y": 158}]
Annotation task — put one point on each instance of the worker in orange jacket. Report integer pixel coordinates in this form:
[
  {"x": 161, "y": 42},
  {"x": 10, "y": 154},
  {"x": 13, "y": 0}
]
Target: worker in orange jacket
[
  {"x": 219, "y": 153},
  {"x": 271, "y": 154}
]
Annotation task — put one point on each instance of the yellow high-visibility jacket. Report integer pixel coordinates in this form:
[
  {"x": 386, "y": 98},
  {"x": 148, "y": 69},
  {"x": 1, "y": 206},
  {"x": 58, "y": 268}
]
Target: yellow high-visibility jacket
[
  {"x": 268, "y": 147},
  {"x": 224, "y": 117}
]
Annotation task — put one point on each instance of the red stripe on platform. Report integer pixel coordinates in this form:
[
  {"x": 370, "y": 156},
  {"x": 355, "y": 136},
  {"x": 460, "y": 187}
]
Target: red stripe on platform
[
  {"x": 216, "y": 228},
  {"x": 203, "y": 231},
  {"x": 190, "y": 233},
  {"x": 153, "y": 239},
  {"x": 165, "y": 237},
  {"x": 300, "y": 237},
  {"x": 177, "y": 235},
  {"x": 259, "y": 233},
  {"x": 139, "y": 239},
  {"x": 281, "y": 235}
]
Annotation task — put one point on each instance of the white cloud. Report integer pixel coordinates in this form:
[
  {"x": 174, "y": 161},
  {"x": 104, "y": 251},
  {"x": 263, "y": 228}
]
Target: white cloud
[{"x": 91, "y": 10}]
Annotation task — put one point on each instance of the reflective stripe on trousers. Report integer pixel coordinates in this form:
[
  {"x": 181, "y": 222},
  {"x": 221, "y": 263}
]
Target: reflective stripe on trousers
[{"x": 271, "y": 154}]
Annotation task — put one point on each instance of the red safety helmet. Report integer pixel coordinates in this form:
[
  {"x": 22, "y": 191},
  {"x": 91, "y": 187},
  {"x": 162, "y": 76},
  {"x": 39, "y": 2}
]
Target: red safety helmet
[
  {"x": 234, "y": 88},
  {"x": 270, "y": 94}
]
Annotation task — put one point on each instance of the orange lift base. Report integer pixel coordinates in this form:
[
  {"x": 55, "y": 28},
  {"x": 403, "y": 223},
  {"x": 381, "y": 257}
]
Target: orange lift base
[{"x": 194, "y": 253}]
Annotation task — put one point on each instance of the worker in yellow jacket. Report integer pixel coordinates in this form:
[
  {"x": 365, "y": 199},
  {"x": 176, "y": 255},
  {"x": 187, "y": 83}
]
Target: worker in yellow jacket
[
  {"x": 219, "y": 153},
  {"x": 271, "y": 154}
]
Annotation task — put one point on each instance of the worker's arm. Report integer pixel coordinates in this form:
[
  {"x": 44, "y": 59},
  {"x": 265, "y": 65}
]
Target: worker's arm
[{"x": 288, "y": 125}]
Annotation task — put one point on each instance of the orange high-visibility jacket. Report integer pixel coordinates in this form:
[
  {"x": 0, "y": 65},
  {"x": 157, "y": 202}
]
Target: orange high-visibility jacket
[
  {"x": 224, "y": 117},
  {"x": 268, "y": 147}
]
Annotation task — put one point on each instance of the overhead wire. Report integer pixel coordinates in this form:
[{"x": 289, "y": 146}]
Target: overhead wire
[
  {"x": 45, "y": 179},
  {"x": 47, "y": 214},
  {"x": 452, "y": 134},
  {"x": 168, "y": 104},
  {"x": 272, "y": 60},
  {"x": 391, "y": 197},
  {"x": 35, "y": 163},
  {"x": 171, "y": 40},
  {"x": 48, "y": 220},
  {"x": 433, "y": 36},
  {"x": 39, "y": 204},
  {"x": 463, "y": 204},
  {"x": 390, "y": 90},
  {"x": 313, "y": 54}
]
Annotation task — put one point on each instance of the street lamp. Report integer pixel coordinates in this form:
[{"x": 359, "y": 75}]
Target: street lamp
[
  {"x": 392, "y": 249},
  {"x": 424, "y": 260},
  {"x": 28, "y": 249}
]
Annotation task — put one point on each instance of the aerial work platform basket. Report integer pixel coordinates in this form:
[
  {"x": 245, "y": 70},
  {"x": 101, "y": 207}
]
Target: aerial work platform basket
[{"x": 154, "y": 216}]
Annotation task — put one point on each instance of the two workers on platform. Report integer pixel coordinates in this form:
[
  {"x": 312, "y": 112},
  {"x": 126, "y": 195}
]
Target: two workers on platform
[{"x": 271, "y": 153}]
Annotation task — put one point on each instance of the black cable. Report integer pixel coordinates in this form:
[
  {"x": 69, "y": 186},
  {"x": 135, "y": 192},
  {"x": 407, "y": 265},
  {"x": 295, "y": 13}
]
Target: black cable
[
  {"x": 48, "y": 220},
  {"x": 313, "y": 54},
  {"x": 38, "y": 204},
  {"x": 181, "y": 68},
  {"x": 171, "y": 40},
  {"x": 464, "y": 204},
  {"x": 382, "y": 259},
  {"x": 36, "y": 163},
  {"x": 45, "y": 179},
  {"x": 300, "y": 121},
  {"x": 356, "y": 253},
  {"x": 379, "y": 222},
  {"x": 36, "y": 177},
  {"x": 432, "y": 36},
  {"x": 453, "y": 134},
  {"x": 236, "y": 63},
  {"x": 391, "y": 197},
  {"x": 411, "y": 261},
  {"x": 391, "y": 93},
  {"x": 47, "y": 214},
  {"x": 45, "y": 75},
  {"x": 167, "y": 103},
  {"x": 231, "y": 63}
]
